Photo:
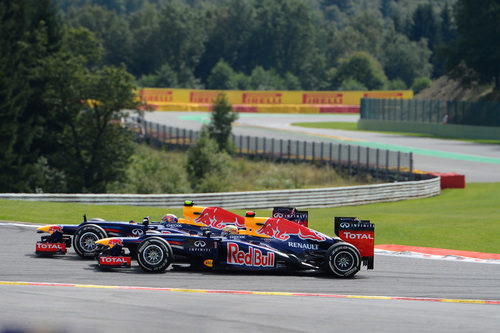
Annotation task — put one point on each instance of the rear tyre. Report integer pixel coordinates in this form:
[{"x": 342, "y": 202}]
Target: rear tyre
[
  {"x": 154, "y": 255},
  {"x": 84, "y": 240},
  {"x": 343, "y": 260}
]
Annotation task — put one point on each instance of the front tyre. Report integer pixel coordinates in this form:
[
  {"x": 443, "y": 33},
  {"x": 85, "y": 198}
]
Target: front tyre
[
  {"x": 154, "y": 255},
  {"x": 84, "y": 240},
  {"x": 343, "y": 260}
]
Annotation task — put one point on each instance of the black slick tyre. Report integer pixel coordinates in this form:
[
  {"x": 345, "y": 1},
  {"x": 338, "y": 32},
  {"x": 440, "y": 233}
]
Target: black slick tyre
[
  {"x": 343, "y": 260},
  {"x": 154, "y": 255},
  {"x": 84, "y": 240}
]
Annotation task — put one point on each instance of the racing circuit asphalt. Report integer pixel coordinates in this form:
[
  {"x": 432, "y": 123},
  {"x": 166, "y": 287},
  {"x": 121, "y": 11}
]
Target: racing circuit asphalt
[
  {"x": 478, "y": 162},
  {"x": 69, "y": 294}
]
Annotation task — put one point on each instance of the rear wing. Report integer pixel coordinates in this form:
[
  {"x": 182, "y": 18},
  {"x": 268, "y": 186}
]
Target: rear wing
[{"x": 360, "y": 233}]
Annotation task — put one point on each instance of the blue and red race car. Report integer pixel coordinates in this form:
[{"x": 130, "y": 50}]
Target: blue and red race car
[{"x": 246, "y": 243}]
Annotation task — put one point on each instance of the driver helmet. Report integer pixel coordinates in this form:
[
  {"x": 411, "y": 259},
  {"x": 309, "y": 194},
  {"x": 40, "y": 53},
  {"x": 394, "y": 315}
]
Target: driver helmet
[
  {"x": 230, "y": 230},
  {"x": 146, "y": 220},
  {"x": 169, "y": 218}
]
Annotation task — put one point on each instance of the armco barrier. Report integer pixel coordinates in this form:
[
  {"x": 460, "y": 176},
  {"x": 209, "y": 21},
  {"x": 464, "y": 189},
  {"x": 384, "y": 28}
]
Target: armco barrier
[{"x": 306, "y": 198}]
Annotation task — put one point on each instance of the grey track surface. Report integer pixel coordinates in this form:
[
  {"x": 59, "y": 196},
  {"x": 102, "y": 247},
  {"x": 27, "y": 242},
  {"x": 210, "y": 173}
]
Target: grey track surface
[
  {"x": 478, "y": 162},
  {"x": 74, "y": 309}
]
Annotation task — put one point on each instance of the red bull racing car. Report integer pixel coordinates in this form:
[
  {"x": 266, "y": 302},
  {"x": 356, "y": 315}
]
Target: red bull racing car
[
  {"x": 246, "y": 243},
  {"x": 83, "y": 236}
]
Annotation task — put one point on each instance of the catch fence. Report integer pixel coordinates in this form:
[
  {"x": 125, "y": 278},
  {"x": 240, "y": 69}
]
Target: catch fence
[
  {"x": 348, "y": 160},
  {"x": 432, "y": 111}
]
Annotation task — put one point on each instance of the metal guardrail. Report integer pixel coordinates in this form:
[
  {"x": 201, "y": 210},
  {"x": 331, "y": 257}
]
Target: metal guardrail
[{"x": 302, "y": 198}]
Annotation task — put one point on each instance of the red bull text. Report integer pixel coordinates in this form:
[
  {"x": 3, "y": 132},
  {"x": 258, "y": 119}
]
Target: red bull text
[{"x": 253, "y": 258}]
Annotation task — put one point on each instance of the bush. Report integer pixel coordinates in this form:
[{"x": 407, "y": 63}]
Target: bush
[
  {"x": 420, "y": 83},
  {"x": 207, "y": 167},
  {"x": 150, "y": 171}
]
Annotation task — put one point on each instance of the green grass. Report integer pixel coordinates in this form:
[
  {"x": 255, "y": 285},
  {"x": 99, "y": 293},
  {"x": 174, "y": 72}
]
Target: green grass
[
  {"x": 350, "y": 126},
  {"x": 462, "y": 219}
]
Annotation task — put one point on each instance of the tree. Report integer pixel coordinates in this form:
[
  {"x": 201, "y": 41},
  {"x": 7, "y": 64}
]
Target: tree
[
  {"x": 87, "y": 141},
  {"x": 221, "y": 77},
  {"x": 165, "y": 77},
  {"x": 30, "y": 32},
  {"x": 362, "y": 68},
  {"x": 222, "y": 116},
  {"x": 479, "y": 37},
  {"x": 207, "y": 166},
  {"x": 404, "y": 59}
]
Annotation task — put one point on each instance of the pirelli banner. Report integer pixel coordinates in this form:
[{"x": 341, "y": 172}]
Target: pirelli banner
[{"x": 266, "y": 101}]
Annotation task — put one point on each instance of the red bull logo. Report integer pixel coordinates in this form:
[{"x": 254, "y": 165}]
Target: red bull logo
[
  {"x": 115, "y": 241},
  {"x": 282, "y": 229},
  {"x": 218, "y": 218},
  {"x": 54, "y": 228},
  {"x": 253, "y": 258}
]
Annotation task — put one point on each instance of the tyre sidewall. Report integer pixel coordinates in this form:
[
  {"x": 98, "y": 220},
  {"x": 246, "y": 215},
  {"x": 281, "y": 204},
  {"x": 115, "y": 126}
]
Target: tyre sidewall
[
  {"x": 154, "y": 244},
  {"x": 350, "y": 252},
  {"x": 90, "y": 230}
]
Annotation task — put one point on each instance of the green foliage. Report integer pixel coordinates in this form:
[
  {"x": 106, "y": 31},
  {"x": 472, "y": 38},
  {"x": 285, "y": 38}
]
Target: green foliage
[
  {"x": 151, "y": 171},
  {"x": 221, "y": 118},
  {"x": 222, "y": 77},
  {"x": 266, "y": 44},
  {"x": 29, "y": 32},
  {"x": 477, "y": 45},
  {"x": 207, "y": 166},
  {"x": 396, "y": 84},
  {"x": 164, "y": 77},
  {"x": 361, "y": 69},
  {"x": 420, "y": 84},
  {"x": 406, "y": 60}
]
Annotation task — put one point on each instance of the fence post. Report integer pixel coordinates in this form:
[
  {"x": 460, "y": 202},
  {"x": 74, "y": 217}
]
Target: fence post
[
  {"x": 358, "y": 167},
  {"x": 377, "y": 160},
  {"x": 289, "y": 143},
  {"x": 387, "y": 165},
  {"x": 331, "y": 154},
  {"x": 297, "y": 155},
  {"x": 399, "y": 166},
  {"x": 339, "y": 162},
  {"x": 349, "y": 160},
  {"x": 305, "y": 151},
  {"x": 264, "y": 154},
  {"x": 313, "y": 151},
  {"x": 281, "y": 150},
  {"x": 272, "y": 149},
  {"x": 411, "y": 165}
]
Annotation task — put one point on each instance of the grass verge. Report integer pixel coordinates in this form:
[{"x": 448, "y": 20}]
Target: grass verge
[{"x": 462, "y": 219}]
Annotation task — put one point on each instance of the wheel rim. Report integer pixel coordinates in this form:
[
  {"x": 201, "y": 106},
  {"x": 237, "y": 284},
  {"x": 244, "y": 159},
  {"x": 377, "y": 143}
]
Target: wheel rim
[
  {"x": 152, "y": 254},
  {"x": 343, "y": 261},
  {"x": 87, "y": 242}
]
